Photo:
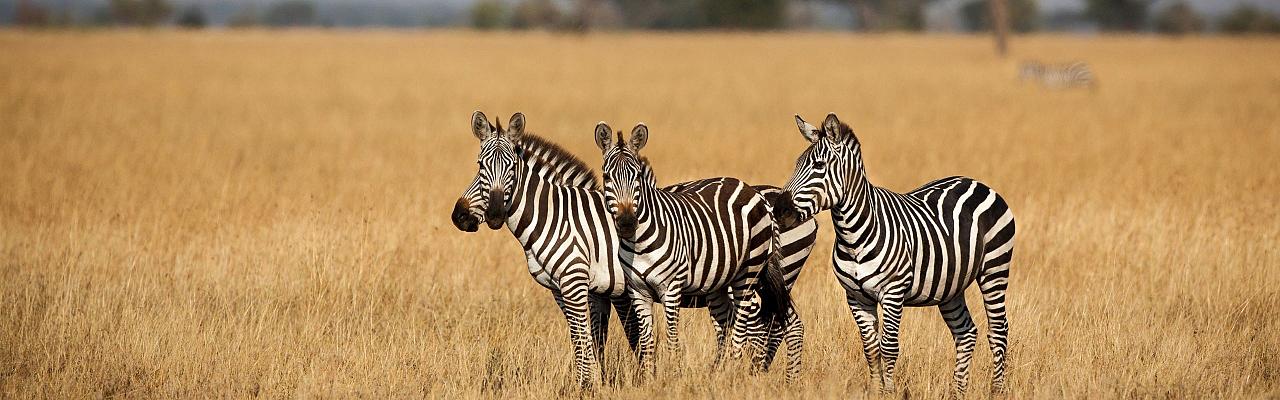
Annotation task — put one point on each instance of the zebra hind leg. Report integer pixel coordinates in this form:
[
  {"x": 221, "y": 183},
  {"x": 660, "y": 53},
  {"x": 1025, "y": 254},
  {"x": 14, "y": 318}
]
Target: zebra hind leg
[
  {"x": 956, "y": 314},
  {"x": 790, "y": 332},
  {"x": 630, "y": 324},
  {"x": 600, "y": 330},
  {"x": 993, "y": 281},
  {"x": 794, "y": 337},
  {"x": 722, "y": 312}
]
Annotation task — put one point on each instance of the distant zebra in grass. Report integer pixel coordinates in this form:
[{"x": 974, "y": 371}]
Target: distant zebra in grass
[
  {"x": 712, "y": 235},
  {"x": 544, "y": 189},
  {"x": 1058, "y": 76},
  {"x": 922, "y": 248}
]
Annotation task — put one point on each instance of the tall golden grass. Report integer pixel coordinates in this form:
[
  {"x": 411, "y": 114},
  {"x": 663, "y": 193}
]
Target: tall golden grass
[{"x": 236, "y": 214}]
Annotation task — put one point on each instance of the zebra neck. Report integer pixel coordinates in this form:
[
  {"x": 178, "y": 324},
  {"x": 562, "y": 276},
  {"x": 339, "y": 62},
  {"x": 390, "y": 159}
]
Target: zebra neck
[
  {"x": 522, "y": 208},
  {"x": 645, "y": 218},
  {"x": 854, "y": 214}
]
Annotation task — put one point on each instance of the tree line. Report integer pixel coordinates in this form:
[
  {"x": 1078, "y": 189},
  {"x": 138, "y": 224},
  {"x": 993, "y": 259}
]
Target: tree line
[{"x": 1176, "y": 17}]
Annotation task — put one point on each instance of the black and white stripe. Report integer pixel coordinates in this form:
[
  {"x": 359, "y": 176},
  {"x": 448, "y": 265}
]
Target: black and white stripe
[
  {"x": 892, "y": 250},
  {"x": 699, "y": 240},
  {"x": 1057, "y": 76}
]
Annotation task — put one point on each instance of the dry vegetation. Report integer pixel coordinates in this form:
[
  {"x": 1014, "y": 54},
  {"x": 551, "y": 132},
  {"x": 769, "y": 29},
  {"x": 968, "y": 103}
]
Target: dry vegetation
[{"x": 266, "y": 214}]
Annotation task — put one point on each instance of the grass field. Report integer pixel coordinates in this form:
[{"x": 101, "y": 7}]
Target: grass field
[{"x": 266, "y": 213}]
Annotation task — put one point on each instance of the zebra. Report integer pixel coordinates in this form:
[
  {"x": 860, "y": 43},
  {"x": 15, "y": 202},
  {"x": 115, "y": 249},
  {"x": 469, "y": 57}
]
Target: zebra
[
  {"x": 921, "y": 248},
  {"x": 523, "y": 158},
  {"x": 710, "y": 235},
  {"x": 1058, "y": 76}
]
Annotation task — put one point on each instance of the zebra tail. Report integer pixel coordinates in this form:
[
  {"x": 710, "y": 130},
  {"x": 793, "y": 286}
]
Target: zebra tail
[{"x": 775, "y": 299}]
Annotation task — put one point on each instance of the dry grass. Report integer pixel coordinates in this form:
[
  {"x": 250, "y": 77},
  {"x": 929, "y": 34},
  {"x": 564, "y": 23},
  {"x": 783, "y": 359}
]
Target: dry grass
[{"x": 266, "y": 214}]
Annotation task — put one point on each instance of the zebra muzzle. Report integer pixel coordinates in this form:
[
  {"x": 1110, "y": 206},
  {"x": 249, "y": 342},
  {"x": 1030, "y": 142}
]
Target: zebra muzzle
[
  {"x": 627, "y": 224},
  {"x": 785, "y": 213},
  {"x": 496, "y": 214},
  {"x": 462, "y": 218}
]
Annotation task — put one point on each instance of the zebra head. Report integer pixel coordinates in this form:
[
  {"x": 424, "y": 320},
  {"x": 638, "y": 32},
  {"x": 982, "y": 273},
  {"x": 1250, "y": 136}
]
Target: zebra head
[
  {"x": 625, "y": 173},
  {"x": 500, "y": 162},
  {"x": 831, "y": 161}
]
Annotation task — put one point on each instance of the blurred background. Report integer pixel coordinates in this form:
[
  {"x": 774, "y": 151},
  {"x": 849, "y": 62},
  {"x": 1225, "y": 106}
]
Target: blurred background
[{"x": 1084, "y": 16}]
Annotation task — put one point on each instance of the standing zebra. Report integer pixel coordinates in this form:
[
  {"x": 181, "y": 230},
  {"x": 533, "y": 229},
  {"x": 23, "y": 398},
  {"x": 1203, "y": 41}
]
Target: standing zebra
[
  {"x": 918, "y": 249},
  {"x": 710, "y": 235},
  {"x": 526, "y": 169},
  {"x": 1057, "y": 76}
]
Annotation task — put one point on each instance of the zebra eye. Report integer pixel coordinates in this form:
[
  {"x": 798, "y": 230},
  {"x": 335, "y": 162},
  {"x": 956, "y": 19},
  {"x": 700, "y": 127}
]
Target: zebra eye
[{"x": 819, "y": 164}]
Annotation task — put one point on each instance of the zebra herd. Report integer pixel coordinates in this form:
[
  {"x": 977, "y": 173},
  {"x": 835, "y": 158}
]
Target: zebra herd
[{"x": 737, "y": 249}]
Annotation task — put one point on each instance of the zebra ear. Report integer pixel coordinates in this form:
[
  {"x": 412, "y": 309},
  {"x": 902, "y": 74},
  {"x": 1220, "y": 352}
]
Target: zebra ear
[
  {"x": 480, "y": 126},
  {"x": 810, "y": 132},
  {"x": 831, "y": 127},
  {"x": 639, "y": 137},
  {"x": 516, "y": 127},
  {"x": 602, "y": 135}
]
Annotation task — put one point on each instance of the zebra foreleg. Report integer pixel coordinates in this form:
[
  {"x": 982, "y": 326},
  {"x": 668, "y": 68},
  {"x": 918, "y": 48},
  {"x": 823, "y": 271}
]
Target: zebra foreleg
[
  {"x": 956, "y": 314},
  {"x": 864, "y": 314},
  {"x": 892, "y": 303},
  {"x": 574, "y": 302},
  {"x": 671, "y": 310},
  {"x": 644, "y": 331}
]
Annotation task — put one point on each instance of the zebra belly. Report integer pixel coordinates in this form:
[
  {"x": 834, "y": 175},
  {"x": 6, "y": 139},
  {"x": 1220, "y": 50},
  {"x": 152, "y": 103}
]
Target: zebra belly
[{"x": 952, "y": 283}]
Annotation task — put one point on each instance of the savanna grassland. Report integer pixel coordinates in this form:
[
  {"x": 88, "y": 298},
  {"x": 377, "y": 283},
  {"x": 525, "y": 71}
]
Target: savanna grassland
[{"x": 239, "y": 214}]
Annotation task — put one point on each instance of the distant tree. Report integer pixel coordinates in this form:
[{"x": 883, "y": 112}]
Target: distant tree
[
  {"x": 28, "y": 13},
  {"x": 535, "y": 14},
  {"x": 192, "y": 18},
  {"x": 1247, "y": 19},
  {"x": 641, "y": 13},
  {"x": 1023, "y": 16},
  {"x": 745, "y": 14},
  {"x": 666, "y": 14},
  {"x": 140, "y": 12},
  {"x": 1179, "y": 19},
  {"x": 487, "y": 14},
  {"x": 880, "y": 15},
  {"x": 909, "y": 15},
  {"x": 1118, "y": 15},
  {"x": 867, "y": 13},
  {"x": 291, "y": 13}
]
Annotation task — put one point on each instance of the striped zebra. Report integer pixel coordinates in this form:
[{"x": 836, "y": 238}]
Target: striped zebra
[
  {"x": 530, "y": 169},
  {"x": 918, "y": 249},
  {"x": 1057, "y": 76},
  {"x": 710, "y": 235}
]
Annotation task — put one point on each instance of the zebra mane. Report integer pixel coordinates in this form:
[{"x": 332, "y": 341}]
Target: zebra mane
[
  {"x": 646, "y": 170},
  {"x": 566, "y": 168},
  {"x": 846, "y": 132}
]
